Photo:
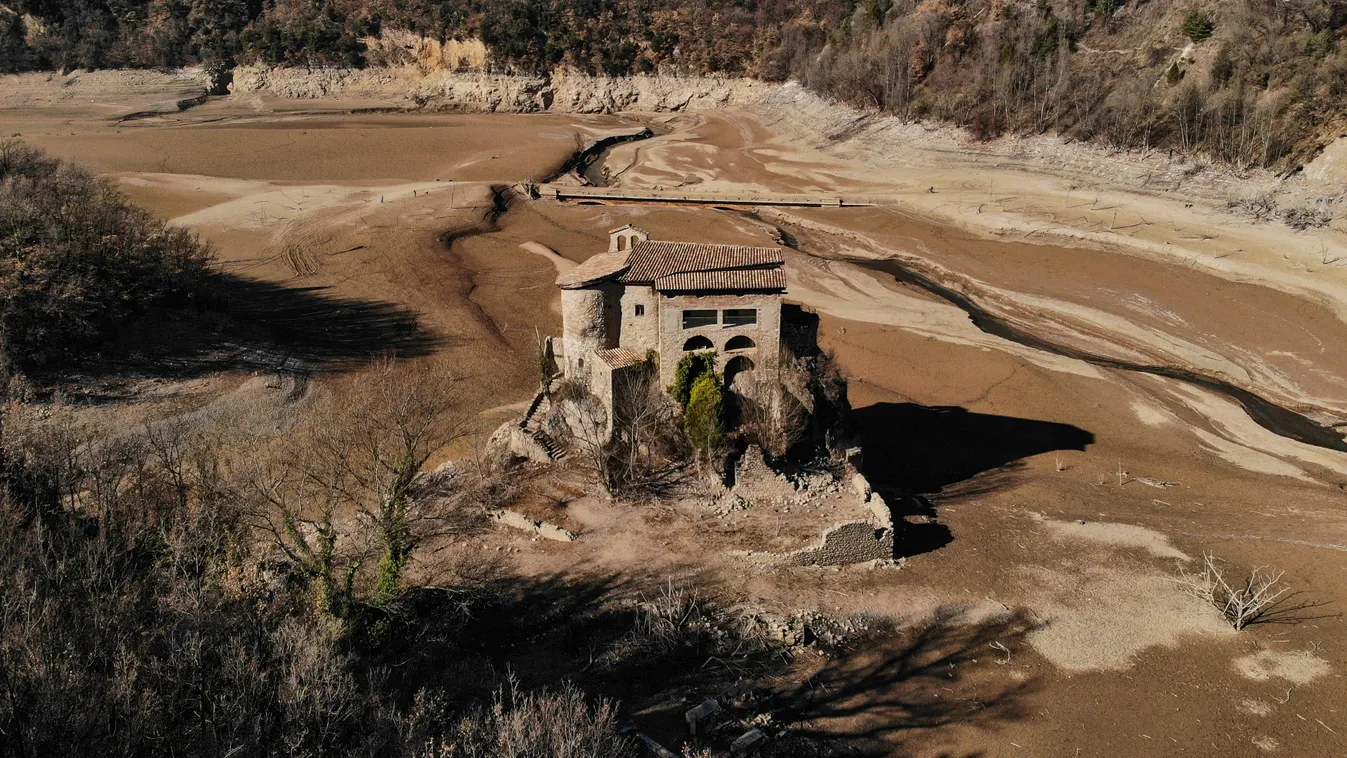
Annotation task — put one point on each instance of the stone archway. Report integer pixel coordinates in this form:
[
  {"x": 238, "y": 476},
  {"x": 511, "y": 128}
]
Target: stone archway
[
  {"x": 740, "y": 365},
  {"x": 740, "y": 342},
  {"x": 699, "y": 342}
]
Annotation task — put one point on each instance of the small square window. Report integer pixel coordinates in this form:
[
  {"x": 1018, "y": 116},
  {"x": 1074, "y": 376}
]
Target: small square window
[{"x": 640, "y": 310}]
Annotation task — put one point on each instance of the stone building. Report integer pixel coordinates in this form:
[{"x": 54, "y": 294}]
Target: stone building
[{"x": 671, "y": 298}]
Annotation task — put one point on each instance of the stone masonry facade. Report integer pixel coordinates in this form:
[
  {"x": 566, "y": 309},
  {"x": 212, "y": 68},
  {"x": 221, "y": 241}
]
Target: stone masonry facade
[{"x": 672, "y": 298}]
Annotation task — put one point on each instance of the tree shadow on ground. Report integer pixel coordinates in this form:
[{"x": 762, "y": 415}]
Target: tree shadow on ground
[
  {"x": 255, "y": 324},
  {"x": 320, "y": 326},
  {"x": 545, "y": 630},
  {"x": 460, "y": 646},
  {"x": 541, "y": 630},
  {"x": 945, "y": 672},
  {"x": 869, "y": 696},
  {"x": 919, "y": 532},
  {"x": 1294, "y": 608}
]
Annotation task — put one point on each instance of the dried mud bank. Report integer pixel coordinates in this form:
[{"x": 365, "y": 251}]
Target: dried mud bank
[
  {"x": 1238, "y": 224},
  {"x": 415, "y": 87},
  {"x": 1288, "y": 410},
  {"x": 1276, "y": 419},
  {"x": 797, "y": 114}
]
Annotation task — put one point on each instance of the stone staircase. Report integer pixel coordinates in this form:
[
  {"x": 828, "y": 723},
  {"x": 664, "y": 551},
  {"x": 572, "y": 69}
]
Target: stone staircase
[
  {"x": 554, "y": 449},
  {"x": 532, "y": 425}
]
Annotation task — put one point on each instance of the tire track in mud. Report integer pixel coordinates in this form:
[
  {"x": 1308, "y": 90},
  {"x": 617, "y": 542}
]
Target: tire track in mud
[{"x": 301, "y": 239}]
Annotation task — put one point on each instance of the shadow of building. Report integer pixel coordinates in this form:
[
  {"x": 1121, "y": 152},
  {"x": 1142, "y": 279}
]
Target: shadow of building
[{"x": 914, "y": 453}]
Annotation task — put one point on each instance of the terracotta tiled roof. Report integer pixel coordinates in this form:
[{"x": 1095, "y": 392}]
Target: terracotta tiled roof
[
  {"x": 724, "y": 281},
  {"x": 652, "y": 260},
  {"x": 618, "y": 357},
  {"x": 595, "y": 269}
]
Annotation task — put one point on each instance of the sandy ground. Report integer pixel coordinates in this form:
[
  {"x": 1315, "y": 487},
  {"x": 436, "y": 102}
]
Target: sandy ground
[{"x": 1036, "y": 483}]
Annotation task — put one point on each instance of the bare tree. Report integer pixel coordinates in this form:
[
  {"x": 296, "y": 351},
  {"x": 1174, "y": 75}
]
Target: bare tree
[
  {"x": 369, "y": 448},
  {"x": 300, "y": 517},
  {"x": 770, "y": 416},
  {"x": 352, "y": 486},
  {"x": 643, "y": 450}
]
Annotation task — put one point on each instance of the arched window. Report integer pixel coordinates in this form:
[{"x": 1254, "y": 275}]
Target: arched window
[
  {"x": 739, "y": 343},
  {"x": 699, "y": 342},
  {"x": 622, "y": 242}
]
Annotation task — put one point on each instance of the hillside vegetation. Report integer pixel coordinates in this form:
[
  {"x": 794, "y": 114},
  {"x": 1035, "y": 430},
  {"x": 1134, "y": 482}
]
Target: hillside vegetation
[
  {"x": 1252, "y": 82},
  {"x": 79, "y": 263},
  {"x": 197, "y": 585}
]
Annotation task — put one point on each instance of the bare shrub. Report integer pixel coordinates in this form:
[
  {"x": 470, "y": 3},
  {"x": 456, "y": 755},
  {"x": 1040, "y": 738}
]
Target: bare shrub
[
  {"x": 770, "y": 418},
  {"x": 489, "y": 481},
  {"x": 678, "y": 625},
  {"x": 644, "y": 451},
  {"x": 818, "y": 385},
  {"x": 582, "y": 423},
  {"x": 1259, "y": 207},
  {"x": 670, "y": 621},
  {"x": 351, "y": 487},
  {"x": 80, "y": 260},
  {"x": 1301, "y": 219},
  {"x": 126, "y": 626},
  {"x": 545, "y": 724},
  {"x": 1240, "y": 602},
  {"x": 368, "y": 449}
]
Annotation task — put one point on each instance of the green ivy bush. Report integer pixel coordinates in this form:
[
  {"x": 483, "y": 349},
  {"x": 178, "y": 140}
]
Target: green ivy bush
[
  {"x": 705, "y": 417},
  {"x": 690, "y": 368}
]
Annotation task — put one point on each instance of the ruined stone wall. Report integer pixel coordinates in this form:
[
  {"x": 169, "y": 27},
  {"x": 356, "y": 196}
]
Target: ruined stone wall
[
  {"x": 844, "y": 544},
  {"x": 756, "y": 480},
  {"x": 517, "y": 520},
  {"x": 868, "y": 538}
]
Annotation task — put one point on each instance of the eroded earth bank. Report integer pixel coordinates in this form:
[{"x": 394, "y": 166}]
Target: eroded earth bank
[{"x": 1149, "y": 375}]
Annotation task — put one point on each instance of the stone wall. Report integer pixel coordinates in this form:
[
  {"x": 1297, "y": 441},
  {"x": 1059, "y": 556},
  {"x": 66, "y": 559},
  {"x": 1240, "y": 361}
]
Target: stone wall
[
  {"x": 517, "y": 520},
  {"x": 869, "y": 538},
  {"x": 583, "y": 317},
  {"x": 766, "y": 333},
  {"x": 755, "y": 480},
  {"x": 844, "y": 544},
  {"x": 639, "y": 333}
]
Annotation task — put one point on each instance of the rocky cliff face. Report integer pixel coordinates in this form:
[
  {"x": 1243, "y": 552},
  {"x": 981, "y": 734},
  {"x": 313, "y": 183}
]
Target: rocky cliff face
[{"x": 414, "y": 86}]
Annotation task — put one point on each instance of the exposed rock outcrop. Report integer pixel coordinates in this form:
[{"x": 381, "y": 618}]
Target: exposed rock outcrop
[{"x": 413, "y": 85}]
